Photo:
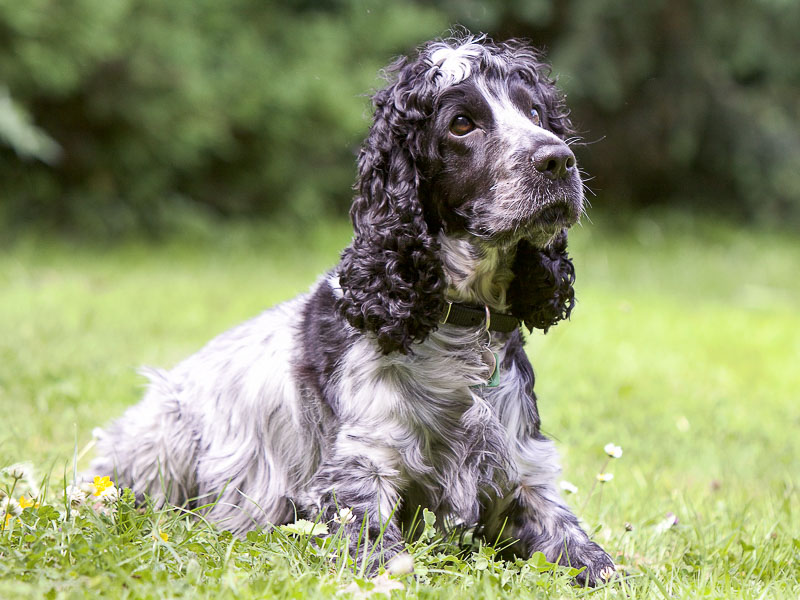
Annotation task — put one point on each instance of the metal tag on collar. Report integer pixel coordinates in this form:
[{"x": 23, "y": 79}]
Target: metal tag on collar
[
  {"x": 494, "y": 378},
  {"x": 491, "y": 360}
]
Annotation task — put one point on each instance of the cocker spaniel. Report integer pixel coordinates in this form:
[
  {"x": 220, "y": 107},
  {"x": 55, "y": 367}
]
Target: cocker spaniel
[{"x": 399, "y": 380}]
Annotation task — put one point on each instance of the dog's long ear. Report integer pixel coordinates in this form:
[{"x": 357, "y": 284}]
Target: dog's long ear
[
  {"x": 541, "y": 293},
  {"x": 391, "y": 277}
]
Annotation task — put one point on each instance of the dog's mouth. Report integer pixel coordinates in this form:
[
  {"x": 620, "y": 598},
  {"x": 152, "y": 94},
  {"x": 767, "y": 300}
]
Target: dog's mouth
[
  {"x": 555, "y": 215},
  {"x": 538, "y": 229},
  {"x": 548, "y": 221},
  {"x": 538, "y": 224}
]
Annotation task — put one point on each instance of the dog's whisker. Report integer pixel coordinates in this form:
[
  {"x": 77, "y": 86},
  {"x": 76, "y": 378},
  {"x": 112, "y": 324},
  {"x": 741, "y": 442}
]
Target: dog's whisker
[{"x": 592, "y": 142}]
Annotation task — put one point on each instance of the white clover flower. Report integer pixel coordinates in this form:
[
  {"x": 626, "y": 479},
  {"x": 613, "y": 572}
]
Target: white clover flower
[
  {"x": 568, "y": 487},
  {"x": 109, "y": 495},
  {"x": 380, "y": 585},
  {"x": 9, "y": 506},
  {"x": 605, "y": 477},
  {"x": 613, "y": 450},
  {"x": 23, "y": 472},
  {"x": 19, "y": 470},
  {"x": 607, "y": 572},
  {"x": 384, "y": 585},
  {"x": 401, "y": 564},
  {"x": 75, "y": 495},
  {"x": 344, "y": 516}
]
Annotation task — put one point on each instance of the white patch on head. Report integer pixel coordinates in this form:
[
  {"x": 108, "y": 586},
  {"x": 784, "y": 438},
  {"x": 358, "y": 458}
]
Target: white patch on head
[
  {"x": 455, "y": 64},
  {"x": 510, "y": 119},
  {"x": 515, "y": 130}
]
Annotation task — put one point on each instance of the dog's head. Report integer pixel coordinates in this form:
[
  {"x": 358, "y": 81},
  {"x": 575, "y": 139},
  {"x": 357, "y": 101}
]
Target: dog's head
[{"x": 468, "y": 141}]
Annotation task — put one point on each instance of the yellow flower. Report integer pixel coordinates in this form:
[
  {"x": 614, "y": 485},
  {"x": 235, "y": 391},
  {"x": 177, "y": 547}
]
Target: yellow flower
[
  {"x": 25, "y": 503},
  {"x": 160, "y": 534},
  {"x": 101, "y": 484}
]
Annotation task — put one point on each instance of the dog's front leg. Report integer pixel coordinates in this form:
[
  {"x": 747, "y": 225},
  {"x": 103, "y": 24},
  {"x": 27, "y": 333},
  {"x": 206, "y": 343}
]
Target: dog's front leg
[
  {"x": 358, "y": 487},
  {"x": 535, "y": 515}
]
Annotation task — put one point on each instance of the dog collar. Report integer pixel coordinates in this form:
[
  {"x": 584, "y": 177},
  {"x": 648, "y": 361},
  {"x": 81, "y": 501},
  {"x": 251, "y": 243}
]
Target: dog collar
[{"x": 471, "y": 316}]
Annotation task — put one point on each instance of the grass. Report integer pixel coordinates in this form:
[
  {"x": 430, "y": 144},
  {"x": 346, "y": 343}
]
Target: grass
[{"x": 684, "y": 350}]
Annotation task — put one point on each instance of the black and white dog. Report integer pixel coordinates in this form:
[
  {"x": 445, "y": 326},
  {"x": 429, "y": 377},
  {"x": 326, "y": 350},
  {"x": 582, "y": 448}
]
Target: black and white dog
[{"x": 400, "y": 379}]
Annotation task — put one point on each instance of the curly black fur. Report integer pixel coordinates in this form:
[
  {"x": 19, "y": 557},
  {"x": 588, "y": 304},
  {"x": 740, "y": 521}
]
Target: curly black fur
[
  {"x": 391, "y": 278},
  {"x": 542, "y": 293}
]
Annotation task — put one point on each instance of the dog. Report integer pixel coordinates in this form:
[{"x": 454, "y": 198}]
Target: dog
[{"x": 399, "y": 380}]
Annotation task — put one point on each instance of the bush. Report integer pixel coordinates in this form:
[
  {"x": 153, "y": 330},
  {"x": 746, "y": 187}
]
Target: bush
[
  {"x": 245, "y": 107},
  {"x": 121, "y": 113}
]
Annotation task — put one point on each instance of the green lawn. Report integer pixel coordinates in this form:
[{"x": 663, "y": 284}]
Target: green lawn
[{"x": 684, "y": 349}]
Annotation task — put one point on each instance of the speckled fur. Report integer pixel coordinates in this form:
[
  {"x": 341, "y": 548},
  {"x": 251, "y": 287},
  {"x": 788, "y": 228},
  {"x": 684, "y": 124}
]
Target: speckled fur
[{"x": 354, "y": 395}]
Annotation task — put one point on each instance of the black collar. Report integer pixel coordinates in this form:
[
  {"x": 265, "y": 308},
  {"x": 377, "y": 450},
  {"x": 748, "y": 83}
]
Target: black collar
[{"x": 471, "y": 316}]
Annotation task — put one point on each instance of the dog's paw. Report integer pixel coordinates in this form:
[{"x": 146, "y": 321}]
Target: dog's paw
[{"x": 599, "y": 569}]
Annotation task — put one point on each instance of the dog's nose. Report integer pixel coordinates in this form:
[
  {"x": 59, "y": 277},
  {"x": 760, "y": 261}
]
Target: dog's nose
[{"x": 554, "y": 160}]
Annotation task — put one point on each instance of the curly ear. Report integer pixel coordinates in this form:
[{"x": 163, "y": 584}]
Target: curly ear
[
  {"x": 541, "y": 293},
  {"x": 391, "y": 277}
]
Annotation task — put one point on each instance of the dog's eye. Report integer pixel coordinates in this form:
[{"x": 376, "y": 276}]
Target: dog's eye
[
  {"x": 461, "y": 125},
  {"x": 536, "y": 117}
]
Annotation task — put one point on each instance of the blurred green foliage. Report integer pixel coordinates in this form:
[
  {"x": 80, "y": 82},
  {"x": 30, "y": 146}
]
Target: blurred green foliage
[
  {"x": 697, "y": 99},
  {"x": 119, "y": 114},
  {"x": 247, "y": 106}
]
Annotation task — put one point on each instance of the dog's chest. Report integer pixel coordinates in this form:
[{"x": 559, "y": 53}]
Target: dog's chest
[
  {"x": 454, "y": 448},
  {"x": 434, "y": 411}
]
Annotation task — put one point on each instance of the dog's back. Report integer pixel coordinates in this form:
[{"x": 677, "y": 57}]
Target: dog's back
[{"x": 204, "y": 432}]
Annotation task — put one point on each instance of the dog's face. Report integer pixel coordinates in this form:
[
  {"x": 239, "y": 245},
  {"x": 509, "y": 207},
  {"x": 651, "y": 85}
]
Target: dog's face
[
  {"x": 499, "y": 171},
  {"x": 467, "y": 141}
]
